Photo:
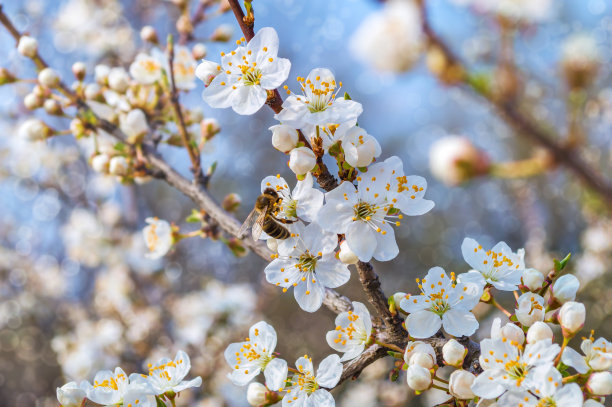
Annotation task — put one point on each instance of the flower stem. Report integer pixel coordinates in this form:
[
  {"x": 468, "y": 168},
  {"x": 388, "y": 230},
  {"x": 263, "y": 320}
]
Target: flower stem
[
  {"x": 440, "y": 379},
  {"x": 389, "y": 345},
  {"x": 433, "y": 386},
  {"x": 502, "y": 309},
  {"x": 563, "y": 346}
]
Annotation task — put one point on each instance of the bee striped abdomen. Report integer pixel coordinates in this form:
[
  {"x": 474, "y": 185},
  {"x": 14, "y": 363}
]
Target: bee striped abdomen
[{"x": 274, "y": 229}]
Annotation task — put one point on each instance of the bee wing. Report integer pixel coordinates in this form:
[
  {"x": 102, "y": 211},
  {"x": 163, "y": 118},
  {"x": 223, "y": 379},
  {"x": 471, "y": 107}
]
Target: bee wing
[
  {"x": 258, "y": 225},
  {"x": 248, "y": 222}
]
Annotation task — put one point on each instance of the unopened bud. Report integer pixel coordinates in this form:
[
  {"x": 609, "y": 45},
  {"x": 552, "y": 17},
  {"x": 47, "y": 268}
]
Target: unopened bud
[
  {"x": 27, "y": 46},
  {"x": 183, "y": 25},
  {"x": 600, "y": 384},
  {"x": 32, "y": 101},
  {"x": 209, "y": 128},
  {"x": 580, "y": 60},
  {"x": 79, "y": 70},
  {"x": 6, "y": 76},
  {"x": 39, "y": 91},
  {"x": 223, "y": 33},
  {"x": 199, "y": 51},
  {"x": 207, "y": 70},
  {"x": 34, "y": 130},
  {"x": 256, "y": 394},
  {"x": 284, "y": 138},
  {"x": 422, "y": 359},
  {"x": 539, "y": 331},
  {"x": 231, "y": 202},
  {"x": 453, "y": 353},
  {"x": 134, "y": 125},
  {"x": 454, "y": 159},
  {"x": 48, "y": 77},
  {"x": 571, "y": 317},
  {"x": 53, "y": 107},
  {"x": 118, "y": 165},
  {"x": 92, "y": 91},
  {"x": 460, "y": 385},
  {"x": 532, "y": 279},
  {"x": 565, "y": 288},
  {"x": 99, "y": 163},
  {"x": 346, "y": 255},
  {"x": 71, "y": 395},
  {"x": 118, "y": 80},
  {"x": 77, "y": 128},
  {"x": 418, "y": 378},
  {"x": 148, "y": 34},
  {"x": 302, "y": 160},
  {"x": 101, "y": 73}
]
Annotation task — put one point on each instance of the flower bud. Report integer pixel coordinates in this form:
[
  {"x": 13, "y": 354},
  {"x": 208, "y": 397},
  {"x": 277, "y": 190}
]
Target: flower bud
[
  {"x": 118, "y": 79},
  {"x": 27, "y": 46},
  {"x": 6, "y": 76},
  {"x": 134, "y": 125},
  {"x": 397, "y": 297},
  {"x": 70, "y": 395},
  {"x": 256, "y": 394},
  {"x": 359, "y": 147},
  {"x": 209, "y": 128},
  {"x": 199, "y": 51},
  {"x": 32, "y": 101},
  {"x": 284, "y": 138},
  {"x": 101, "y": 73},
  {"x": 118, "y": 165},
  {"x": 565, "y": 288},
  {"x": 92, "y": 91},
  {"x": 454, "y": 159},
  {"x": 530, "y": 309},
  {"x": 302, "y": 160},
  {"x": 34, "y": 130},
  {"x": 223, "y": 33},
  {"x": 571, "y": 317},
  {"x": 184, "y": 26},
  {"x": 460, "y": 385},
  {"x": 539, "y": 331},
  {"x": 422, "y": 359},
  {"x": 272, "y": 244},
  {"x": 346, "y": 255},
  {"x": 418, "y": 378},
  {"x": 77, "y": 128},
  {"x": 509, "y": 331},
  {"x": 206, "y": 71},
  {"x": 48, "y": 77},
  {"x": 148, "y": 34},
  {"x": 231, "y": 202},
  {"x": 53, "y": 107},
  {"x": 532, "y": 279},
  {"x": 79, "y": 70},
  {"x": 453, "y": 353},
  {"x": 99, "y": 163},
  {"x": 580, "y": 60},
  {"x": 600, "y": 383}
]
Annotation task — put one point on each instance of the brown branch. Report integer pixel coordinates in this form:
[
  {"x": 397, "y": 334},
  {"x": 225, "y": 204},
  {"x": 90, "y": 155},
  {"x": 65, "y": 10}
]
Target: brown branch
[
  {"x": 194, "y": 156},
  {"x": 520, "y": 121},
  {"x": 247, "y": 29}
]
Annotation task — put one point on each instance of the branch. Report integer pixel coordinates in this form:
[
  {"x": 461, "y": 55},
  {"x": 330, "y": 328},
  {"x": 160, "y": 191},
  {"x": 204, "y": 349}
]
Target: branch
[{"x": 522, "y": 122}]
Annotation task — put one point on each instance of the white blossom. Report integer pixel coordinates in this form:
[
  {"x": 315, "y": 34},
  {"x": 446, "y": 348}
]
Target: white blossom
[
  {"x": 134, "y": 124},
  {"x": 549, "y": 389},
  {"x": 247, "y": 73},
  {"x": 509, "y": 331},
  {"x": 183, "y": 67},
  {"x": 500, "y": 266},
  {"x": 146, "y": 69},
  {"x": 302, "y": 160},
  {"x": 353, "y": 330},
  {"x": 460, "y": 384},
  {"x": 166, "y": 375},
  {"x": 71, "y": 394},
  {"x": 99, "y": 163},
  {"x": 600, "y": 383},
  {"x": 118, "y": 79},
  {"x": 304, "y": 202},
  {"x": 597, "y": 356},
  {"x": 443, "y": 302},
  {"x": 539, "y": 331},
  {"x": 307, "y": 263},
  {"x": 158, "y": 237},
  {"x": 33, "y": 130},
  {"x": 101, "y": 73},
  {"x": 565, "y": 288},
  {"x": 414, "y": 348},
  {"x": 359, "y": 147},
  {"x": 118, "y": 165},
  {"x": 532, "y": 279},
  {"x": 308, "y": 389},
  {"x": 530, "y": 308}
]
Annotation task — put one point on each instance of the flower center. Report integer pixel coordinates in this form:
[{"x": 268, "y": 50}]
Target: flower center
[
  {"x": 250, "y": 75},
  {"x": 517, "y": 370},
  {"x": 307, "y": 383},
  {"x": 320, "y": 94},
  {"x": 307, "y": 263},
  {"x": 546, "y": 402},
  {"x": 364, "y": 210},
  {"x": 290, "y": 209}
]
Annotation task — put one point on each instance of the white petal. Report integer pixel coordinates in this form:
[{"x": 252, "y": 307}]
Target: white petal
[
  {"x": 331, "y": 272},
  {"x": 487, "y": 384},
  {"x": 267, "y": 38},
  {"x": 217, "y": 95},
  {"x": 276, "y": 374},
  {"x": 275, "y": 73},
  {"x": 329, "y": 371},
  {"x": 574, "y": 359},
  {"x": 248, "y": 99},
  {"x": 320, "y": 398},
  {"x": 386, "y": 246},
  {"x": 309, "y": 295},
  {"x": 459, "y": 323},
  {"x": 187, "y": 384},
  {"x": 263, "y": 335},
  {"x": 423, "y": 324},
  {"x": 361, "y": 239}
]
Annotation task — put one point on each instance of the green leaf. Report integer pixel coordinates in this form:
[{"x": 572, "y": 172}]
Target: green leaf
[
  {"x": 347, "y": 96},
  {"x": 396, "y": 355},
  {"x": 120, "y": 147},
  {"x": 560, "y": 265},
  {"x": 211, "y": 170},
  {"x": 363, "y": 169},
  {"x": 334, "y": 149},
  {"x": 480, "y": 82},
  {"x": 194, "y": 217}
]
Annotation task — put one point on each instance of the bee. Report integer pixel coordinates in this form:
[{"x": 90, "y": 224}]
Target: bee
[{"x": 262, "y": 218}]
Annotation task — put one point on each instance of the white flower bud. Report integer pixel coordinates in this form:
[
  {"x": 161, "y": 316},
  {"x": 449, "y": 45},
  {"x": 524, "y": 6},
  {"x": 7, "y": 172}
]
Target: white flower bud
[
  {"x": 32, "y": 101},
  {"x": 118, "y": 79},
  {"x": 539, "y": 331},
  {"x": 70, "y": 395},
  {"x": 148, "y": 34},
  {"x": 48, "y": 77},
  {"x": 256, "y": 394},
  {"x": 53, "y": 107},
  {"x": 34, "y": 130},
  {"x": 600, "y": 383},
  {"x": 272, "y": 244},
  {"x": 418, "y": 378},
  {"x": 565, "y": 288},
  {"x": 460, "y": 385},
  {"x": 134, "y": 125},
  {"x": 118, "y": 165},
  {"x": 27, "y": 46},
  {"x": 397, "y": 297},
  {"x": 302, "y": 160},
  {"x": 207, "y": 70},
  {"x": 284, "y": 138},
  {"x": 347, "y": 256},
  {"x": 209, "y": 128},
  {"x": 77, "y": 128},
  {"x": 533, "y": 279},
  {"x": 454, "y": 159},
  {"x": 422, "y": 359},
  {"x": 530, "y": 309},
  {"x": 580, "y": 60},
  {"x": 223, "y": 33},
  {"x": 101, "y": 73},
  {"x": 99, "y": 163},
  {"x": 199, "y": 51},
  {"x": 571, "y": 317},
  {"x": 509, "y": 331},
  {"x": 453, "y": 353},
  {"x": 79, "y": 70},
  {"x": 92, "y": 91}
]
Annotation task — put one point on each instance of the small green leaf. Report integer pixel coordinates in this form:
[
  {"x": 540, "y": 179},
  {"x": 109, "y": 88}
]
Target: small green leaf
[
  {"x": 120, "y": 147},
  {"x": 363, "y": 169},
  {"x": 211, "y": 169},
  {"x": 347, "y": 96},
  {"x": 194, "y": 217},
  {"x": 396, "y": 355},
  {"x": 560, "y": 265}
]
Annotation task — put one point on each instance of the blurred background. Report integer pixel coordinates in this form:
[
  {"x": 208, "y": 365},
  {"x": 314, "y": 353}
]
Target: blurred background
[{"x": 77, "y": 294}]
